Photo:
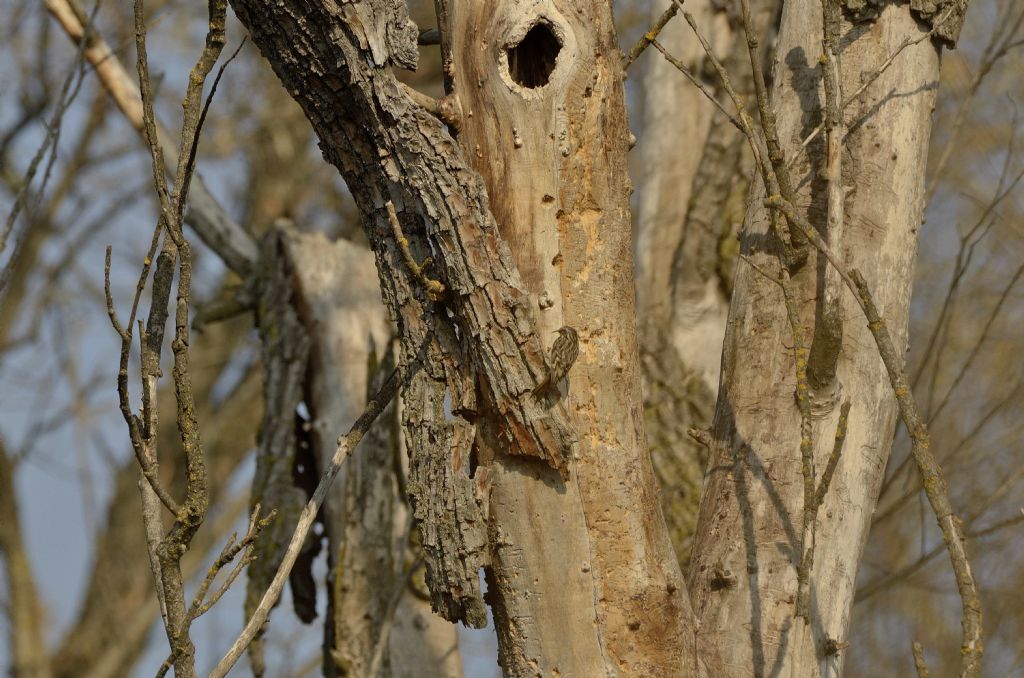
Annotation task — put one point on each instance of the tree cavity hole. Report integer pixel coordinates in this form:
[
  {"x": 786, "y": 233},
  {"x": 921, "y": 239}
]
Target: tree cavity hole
[{"x": 532, "y": 60}]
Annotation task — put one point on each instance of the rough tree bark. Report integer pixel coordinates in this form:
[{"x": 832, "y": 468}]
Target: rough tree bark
[
  {"x": 543, "y": 121},
  {"x": 609, "y": 571},
  {"x": 378, "y": 626},
  {"x": 321, "y": 321},
  {"x": 557, "y": 500},
  {"x": 743, "y": 578}
]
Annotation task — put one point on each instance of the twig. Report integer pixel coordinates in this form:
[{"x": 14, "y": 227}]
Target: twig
[
  {"x": 964, "y": 257},
  {"x": 883, "y": 583},
  {"x": 765, "y": 274},
  {"x": 1000, "y": 44},
  {"x": 776, "y": 156},
  {"x": 793, "y": 255},
  {"x": 931, "y": 474},
  {"x": 211, "y": 222},
  {"x": 919, "y": 662},
  {"x": 429, "y": 36},
  {"x": 803, "y": 401},
  {"x": 934, "y": 484},
  {"x": 810, "y": 494},
  {"x": 166, "y": 551},
  {"x": 111, "y": 312},
  {"x": 434, "y": 288},
  {"x": 874, "y": 76},
  {"x": 446, "y": 109},
  {"x": 978, "y": 344},
  {"x": 828, "y": 325},
  {"x": 681, "y": 67},
  {"x": 649, "y": 37},
  {"x": 48, "y": 149},
  {"x": 345, "y": 446},
  {"x": 200, "y": 605},
  {"x": 148, "y": 116},
  {"x": 959, "y": 446},
  {"x": 192, "y": 130},
  {"x": 700, "y": 435},
  {"x": 833, "y": 459},
  {"x": 781, "y": 204},
  {"x": 746, "y": 124}
]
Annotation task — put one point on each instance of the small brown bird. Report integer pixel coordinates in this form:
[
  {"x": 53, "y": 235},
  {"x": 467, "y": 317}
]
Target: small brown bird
[{"x": 564, "y": 351}]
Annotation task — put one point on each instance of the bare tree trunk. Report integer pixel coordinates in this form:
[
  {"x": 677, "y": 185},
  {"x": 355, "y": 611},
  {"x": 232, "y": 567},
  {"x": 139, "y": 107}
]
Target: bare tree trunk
[
  {"x": 25, "y": 612},
  {"x": 694, "y": 170},
  {"x": 743, "y": 578},
  {"x": 377, "y": 626},
  {"x": 322, "y": 324},
  {"x": 582, "y": 575},
  {"x": 677, "y": 122},
  {"x": 582, "y": 572}
]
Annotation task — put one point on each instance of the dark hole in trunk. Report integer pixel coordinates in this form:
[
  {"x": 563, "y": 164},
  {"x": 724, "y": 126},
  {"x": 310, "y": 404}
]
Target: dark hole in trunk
[{"x": 531, "y": 62}]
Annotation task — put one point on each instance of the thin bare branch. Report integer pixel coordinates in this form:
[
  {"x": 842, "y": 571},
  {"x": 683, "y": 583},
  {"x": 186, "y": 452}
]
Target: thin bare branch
[
  {"x": 650, "y": 36},
  {"x": 209, "y": 219},
  {"x": 931, "y": 473},
  {"x": 919, "y": 662},
  {"x": 681, "y": 67},
  {"x": 346, "y": 444},
  {"x": 434, "y": 288}
]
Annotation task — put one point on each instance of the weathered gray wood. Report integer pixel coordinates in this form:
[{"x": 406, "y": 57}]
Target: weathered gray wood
[
  {"x": 334, "y": 289},
  {"x": 285, "y": 354},
  {"x": 749, "y": 524},
  {"x": 693, "y": 168}
]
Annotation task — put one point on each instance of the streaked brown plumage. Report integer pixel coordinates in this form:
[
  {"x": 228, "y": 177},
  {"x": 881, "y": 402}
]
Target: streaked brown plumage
[{"x": 563, "y": 354}]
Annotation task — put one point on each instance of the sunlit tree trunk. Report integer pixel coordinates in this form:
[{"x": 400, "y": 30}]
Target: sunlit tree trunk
[
  {"x": 693, "y": 170},
  {"x": 743, "y": 578},
  {"x": 582, "y": 574}
]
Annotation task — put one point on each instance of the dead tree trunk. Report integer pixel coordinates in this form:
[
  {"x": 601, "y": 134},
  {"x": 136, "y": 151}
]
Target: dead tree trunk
[
  {"x": 694, "y": 169},
  {"x": 743, "y": 578},
  {"x": 582, "y": 573}
]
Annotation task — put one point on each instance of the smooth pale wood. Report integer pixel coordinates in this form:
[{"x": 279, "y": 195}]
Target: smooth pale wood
[
  {"x": 750, "y": 517},
  {"x": 583, "y": 578}
]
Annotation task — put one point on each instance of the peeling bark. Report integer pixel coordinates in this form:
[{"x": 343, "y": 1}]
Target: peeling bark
[
  {"x": 285, "y": 353},
  {"x": 336, "y": 66},
  {"x": 365, "y": 518},
  {"x": 321, "y": 319},
  {"x": 539, "y": 86},
  {"x": 947, "y": 14},
  {"x": 477, "y": 347}
]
